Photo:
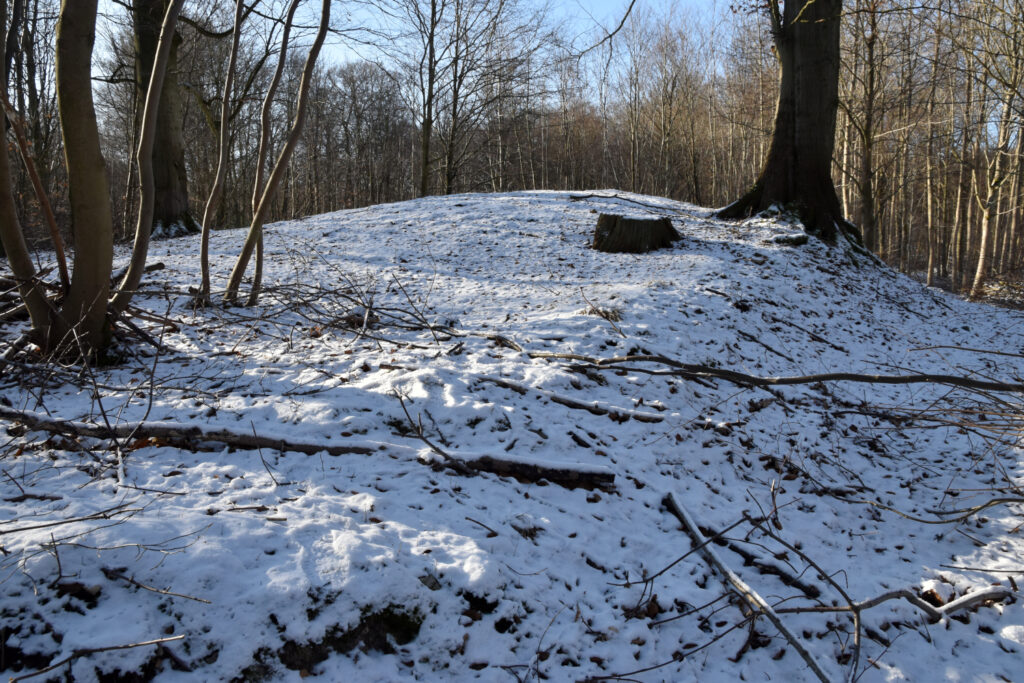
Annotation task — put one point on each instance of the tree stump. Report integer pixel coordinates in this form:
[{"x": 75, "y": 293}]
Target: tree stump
[{"x": 622, "y": 234}]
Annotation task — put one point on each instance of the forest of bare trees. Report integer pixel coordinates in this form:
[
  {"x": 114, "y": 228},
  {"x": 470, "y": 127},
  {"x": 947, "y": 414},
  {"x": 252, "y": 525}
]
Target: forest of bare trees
[{"x": 419, "y": 97}]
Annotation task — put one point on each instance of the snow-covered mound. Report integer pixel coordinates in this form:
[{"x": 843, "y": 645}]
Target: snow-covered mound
[{"x": 407, "y": 337}]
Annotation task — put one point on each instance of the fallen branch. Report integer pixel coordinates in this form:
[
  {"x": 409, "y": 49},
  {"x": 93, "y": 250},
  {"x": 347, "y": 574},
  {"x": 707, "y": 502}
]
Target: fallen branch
[
  {"x": 179, "y": 436},
  {"x": 765, "y": 566},
  {"x": 812, "y": 335},
  {"x": 751, "y": 338},
  {"x": 121, "y": 509},
  {"x": 960, "y": 515},
  {"x": 604, "y": 314},
  {"x": 417, "y": 426},
  {"x": 969, "y": 349},
  {"x": 570, "y": 475},
  {"x": 115, "y": 574},
  {"x": 593, "y": 407},
  {"x": 86, "y": 651},
  {"x": 852, "y": 675},
  {"x": 756, "y": 602},
  {"x": 690, "y": 370},
  {"x": 935, "y": 614},
  {"x": 667, "y": 211}
]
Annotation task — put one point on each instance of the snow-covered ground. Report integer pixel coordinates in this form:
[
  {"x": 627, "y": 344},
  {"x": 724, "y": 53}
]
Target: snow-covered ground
[{"x": 467, "y": 322}]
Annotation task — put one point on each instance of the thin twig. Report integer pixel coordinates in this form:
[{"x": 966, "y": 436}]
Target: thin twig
[
  {"x": 456, "y": 464},
  {"x": 84, "y": 652},
  {"x": 121, "y": 509},
  {"x": 262, "y": 459},
  {"x": 492, "y": 533},
  {"x": 115, "y": 574},
  {"x": 603, "y": 314}
]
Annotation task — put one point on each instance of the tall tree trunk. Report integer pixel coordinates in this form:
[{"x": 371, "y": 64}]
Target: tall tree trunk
[
  {"x": 224, "y": 149},
  {"x": 430, "y": 64},
  {"x": 930, "y": 228},
  {"x": 171, "y": 214},
  {"x": 11, "y": 41},
  {"x": 866, "y": 182},
  {"x": 268, "y": 104},
  {"x": 144, "y": 161},
  {"x": 85, "y": 307},
  {"x": 798, "y": 169},
  {"x": 1015, "y": 201}
]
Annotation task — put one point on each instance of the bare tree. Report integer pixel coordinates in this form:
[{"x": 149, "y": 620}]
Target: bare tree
[
  {"x": 13, "y": 241},
  {"x": 144, "y": 161},
  {"x": 86, "y": 305},
  {"x": 255, "y": 234},
  {"x": 83, "y": 319},
  {"x": 224, "y": 147}
]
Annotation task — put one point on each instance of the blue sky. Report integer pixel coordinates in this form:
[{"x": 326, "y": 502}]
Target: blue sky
[{"x": 588, "y": 16}]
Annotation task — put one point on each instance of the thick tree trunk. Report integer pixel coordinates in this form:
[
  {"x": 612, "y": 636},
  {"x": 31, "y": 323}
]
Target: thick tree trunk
[
  {"x": 798, "y": 169},
  {"x": 144, "y": 162},
  {"x": 85, "y": 307},
  {"x": 171, "y": 215},
  {"x": 13, "y": 34}
]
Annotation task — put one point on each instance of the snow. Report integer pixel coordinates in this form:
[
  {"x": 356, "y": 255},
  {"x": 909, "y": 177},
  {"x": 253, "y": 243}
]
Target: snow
[{"x": 272, "y": 564}]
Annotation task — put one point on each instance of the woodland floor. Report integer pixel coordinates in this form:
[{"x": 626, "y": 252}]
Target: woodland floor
[{"x": 508, "y": 431}]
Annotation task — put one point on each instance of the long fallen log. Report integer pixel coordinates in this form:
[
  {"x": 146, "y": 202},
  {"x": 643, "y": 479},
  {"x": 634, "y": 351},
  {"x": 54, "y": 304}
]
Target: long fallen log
[
  {"x": 179, "y": 436},
  {"x": 567, "y": 475}
]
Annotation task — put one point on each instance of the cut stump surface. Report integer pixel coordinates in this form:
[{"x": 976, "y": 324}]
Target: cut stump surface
[{"x": 622, "y": 234}]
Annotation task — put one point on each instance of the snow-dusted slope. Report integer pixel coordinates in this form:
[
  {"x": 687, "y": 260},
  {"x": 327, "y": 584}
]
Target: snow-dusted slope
[{"x": 276, "y": 565}]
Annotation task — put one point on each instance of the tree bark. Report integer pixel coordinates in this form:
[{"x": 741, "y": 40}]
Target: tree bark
[
  {"x": 224, "y": 149},
  {"x": 11, "y": 41},
  {"x": 144, "y": 161},
  {"x": 13, "y": 241},
  {"x": 430, "y": 65},
  {"x": 866, "y": 181},
  {"x": 994, "y": 179},
  {"x": 171, "y": 214},
  {"x": 85, "y": 307},
  {"x": 619, "y": 234},
  {"x": 798, "y": 170}
]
